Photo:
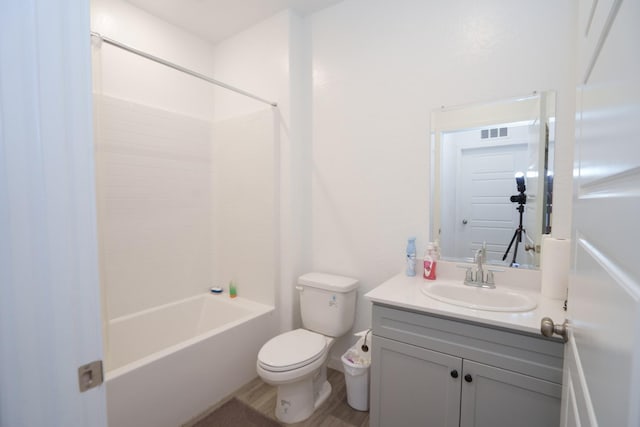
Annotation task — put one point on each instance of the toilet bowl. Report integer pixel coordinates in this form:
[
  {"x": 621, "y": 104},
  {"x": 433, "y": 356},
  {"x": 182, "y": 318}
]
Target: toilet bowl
[{"x": 295, "y": 362}]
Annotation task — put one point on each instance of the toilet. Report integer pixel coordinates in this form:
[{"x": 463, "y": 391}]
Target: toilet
[{"x": 296, "y": 361}]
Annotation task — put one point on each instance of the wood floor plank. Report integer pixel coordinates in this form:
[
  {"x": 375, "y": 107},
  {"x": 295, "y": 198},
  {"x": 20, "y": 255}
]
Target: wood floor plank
[{"x": 335, "y": 412}]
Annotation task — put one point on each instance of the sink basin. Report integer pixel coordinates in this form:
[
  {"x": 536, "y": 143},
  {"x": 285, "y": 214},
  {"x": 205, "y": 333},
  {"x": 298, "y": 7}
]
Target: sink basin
[{"x": 479, "y": 298}]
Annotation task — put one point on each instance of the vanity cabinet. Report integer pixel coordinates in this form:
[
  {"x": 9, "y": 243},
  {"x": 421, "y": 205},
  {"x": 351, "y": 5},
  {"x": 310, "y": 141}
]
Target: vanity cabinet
[{"x": 435, "y": 371}]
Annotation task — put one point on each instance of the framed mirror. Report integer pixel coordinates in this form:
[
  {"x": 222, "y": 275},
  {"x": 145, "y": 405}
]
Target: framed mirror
[{"x": 492, "y": 178}]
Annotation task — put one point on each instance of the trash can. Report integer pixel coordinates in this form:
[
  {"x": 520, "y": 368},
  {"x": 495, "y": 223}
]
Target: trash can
[{"x": 356, "y": 375}]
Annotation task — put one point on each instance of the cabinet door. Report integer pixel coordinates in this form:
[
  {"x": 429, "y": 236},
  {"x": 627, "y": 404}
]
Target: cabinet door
[
  {"x": 412, "y": 386},
  {"x": 494, "y": 397}
]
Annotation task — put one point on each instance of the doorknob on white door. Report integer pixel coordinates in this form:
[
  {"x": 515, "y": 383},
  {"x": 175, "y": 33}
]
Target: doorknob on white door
[
  {"x": 464, "y": 221},
  {"x": 548, "y": 328}
]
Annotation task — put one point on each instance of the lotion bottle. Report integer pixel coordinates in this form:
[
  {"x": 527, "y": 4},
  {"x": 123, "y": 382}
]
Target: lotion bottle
[{"x": 430, "y": 262}]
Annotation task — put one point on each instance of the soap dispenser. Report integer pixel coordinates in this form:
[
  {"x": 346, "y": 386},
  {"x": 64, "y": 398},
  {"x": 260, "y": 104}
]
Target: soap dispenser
[{"x": 430, "y": 261}]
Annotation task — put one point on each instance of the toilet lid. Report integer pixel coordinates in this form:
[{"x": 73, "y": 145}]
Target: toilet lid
[{"x": 292, "y": 350}]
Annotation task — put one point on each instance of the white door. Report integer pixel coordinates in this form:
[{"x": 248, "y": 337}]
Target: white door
[
  {"x": 484, "y": 210},
  {"x": 49, "y": 302},
  {"x": 602, "y": 356}
]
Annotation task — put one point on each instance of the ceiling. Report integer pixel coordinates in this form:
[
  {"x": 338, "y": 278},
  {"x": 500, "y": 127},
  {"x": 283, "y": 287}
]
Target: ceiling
[{"x": 215, "y": 20}]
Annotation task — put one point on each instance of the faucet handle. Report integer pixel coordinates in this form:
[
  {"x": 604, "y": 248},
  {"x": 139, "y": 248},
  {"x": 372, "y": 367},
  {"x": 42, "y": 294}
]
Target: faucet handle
[{"x": 490, "y": 280}]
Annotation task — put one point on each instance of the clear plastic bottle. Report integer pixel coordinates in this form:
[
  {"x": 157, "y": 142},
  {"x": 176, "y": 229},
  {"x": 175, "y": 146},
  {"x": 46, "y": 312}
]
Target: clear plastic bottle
[
  {"x": 411, "y": 257},
  {"x": 430, "y": 262}
]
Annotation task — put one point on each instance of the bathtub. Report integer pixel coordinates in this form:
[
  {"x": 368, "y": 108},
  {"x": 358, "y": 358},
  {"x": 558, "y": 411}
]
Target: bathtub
[{"x": 168, "y": 364}]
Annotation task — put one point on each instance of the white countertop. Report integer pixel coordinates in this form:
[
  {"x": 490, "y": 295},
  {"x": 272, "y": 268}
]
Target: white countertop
[{"x": 404, "y": 292}]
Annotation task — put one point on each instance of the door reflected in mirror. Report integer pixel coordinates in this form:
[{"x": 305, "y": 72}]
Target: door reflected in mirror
[{"x": 492, "y": 178}]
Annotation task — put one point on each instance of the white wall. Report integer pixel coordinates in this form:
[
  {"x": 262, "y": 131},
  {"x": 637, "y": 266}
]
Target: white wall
[
  {"x": 379, "y": 69},
  {"x": 256, "y": 60},
  {"x": 153, "y": 161},
  {"x": 272, "y": 60},
  {"x": 155, "y": 205},
  {"x": 187, "y": 198},
  {"x": 123, "y": 75},
  {"x": 245, "y": 205}
]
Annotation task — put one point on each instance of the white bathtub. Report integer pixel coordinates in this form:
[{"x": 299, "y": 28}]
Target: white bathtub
[{"x": 167, "y": 364}]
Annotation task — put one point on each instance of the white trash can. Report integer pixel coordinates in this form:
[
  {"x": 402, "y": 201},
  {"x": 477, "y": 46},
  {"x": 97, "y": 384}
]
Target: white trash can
[{"x": 356, "y": 375}]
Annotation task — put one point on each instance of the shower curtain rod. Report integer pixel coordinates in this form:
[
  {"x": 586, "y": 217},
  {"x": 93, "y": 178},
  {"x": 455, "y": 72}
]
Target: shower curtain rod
[{"x": 179, "y": 68}]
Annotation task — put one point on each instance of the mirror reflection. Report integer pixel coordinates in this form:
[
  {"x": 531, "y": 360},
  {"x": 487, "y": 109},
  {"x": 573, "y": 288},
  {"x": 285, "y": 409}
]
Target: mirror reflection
[{"x": 492, "y": 178}]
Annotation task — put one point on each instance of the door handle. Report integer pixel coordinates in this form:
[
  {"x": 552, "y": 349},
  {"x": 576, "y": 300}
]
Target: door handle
[
  {"x": 464, "y": 221},
  {"x": 548, "y": 328}
]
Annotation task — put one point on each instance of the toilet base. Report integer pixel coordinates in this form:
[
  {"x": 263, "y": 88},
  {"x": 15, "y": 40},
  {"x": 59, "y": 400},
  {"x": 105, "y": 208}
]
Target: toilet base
[
  {"x": 300, "y": 391},
  {"x": 324, "y": 394},
  {"x": 297, "y": 401}
]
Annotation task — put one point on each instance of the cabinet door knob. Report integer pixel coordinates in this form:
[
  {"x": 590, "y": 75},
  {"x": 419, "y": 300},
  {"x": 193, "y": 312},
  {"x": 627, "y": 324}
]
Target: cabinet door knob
[
  {"x": 454, "y": 374},
  {"x": 468, "y": 378}
]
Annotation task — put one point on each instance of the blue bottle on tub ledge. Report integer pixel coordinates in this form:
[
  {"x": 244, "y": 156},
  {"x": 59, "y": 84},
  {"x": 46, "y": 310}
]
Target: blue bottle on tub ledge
[{"x": 411, "y": 257}]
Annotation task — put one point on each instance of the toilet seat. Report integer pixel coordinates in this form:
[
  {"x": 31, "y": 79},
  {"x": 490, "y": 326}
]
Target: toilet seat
[{"x": 292, "y": 350}]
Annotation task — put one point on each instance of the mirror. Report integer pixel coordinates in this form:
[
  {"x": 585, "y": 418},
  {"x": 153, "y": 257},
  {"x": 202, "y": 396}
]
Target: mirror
[{"x": 492, "y": 178}]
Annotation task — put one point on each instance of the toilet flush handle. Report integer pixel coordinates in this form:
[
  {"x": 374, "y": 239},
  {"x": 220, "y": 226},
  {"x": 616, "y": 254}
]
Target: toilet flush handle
[{"x": 300, "y": 288}]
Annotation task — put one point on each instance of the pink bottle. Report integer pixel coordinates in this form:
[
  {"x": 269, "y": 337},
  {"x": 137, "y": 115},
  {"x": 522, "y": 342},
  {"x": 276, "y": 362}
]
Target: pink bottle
[{"x": 430, "y": 262}]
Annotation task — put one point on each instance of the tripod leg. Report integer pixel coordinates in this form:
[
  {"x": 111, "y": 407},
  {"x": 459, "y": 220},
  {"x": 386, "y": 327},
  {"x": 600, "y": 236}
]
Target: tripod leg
[
  {"x": 519, "y": 232},
  {"x": 515, "y": 234}
]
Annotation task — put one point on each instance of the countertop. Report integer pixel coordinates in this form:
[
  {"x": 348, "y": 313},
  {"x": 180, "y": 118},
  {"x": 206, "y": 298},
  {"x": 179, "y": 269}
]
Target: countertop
[{"x": 404, "y": 292}]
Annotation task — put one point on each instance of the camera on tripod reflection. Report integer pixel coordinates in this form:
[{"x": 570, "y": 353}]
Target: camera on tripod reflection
[{"x": 520, "y": 198}]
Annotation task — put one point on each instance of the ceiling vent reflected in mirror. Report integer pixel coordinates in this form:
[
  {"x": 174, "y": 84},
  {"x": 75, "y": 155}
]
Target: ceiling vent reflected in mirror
[{"x": 494, "y": 133}]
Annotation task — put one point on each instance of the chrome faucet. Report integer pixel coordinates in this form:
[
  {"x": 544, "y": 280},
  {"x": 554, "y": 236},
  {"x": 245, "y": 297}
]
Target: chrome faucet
[
  {"x": 478, "y": 277},
  {"x": 480, "y": 258}
]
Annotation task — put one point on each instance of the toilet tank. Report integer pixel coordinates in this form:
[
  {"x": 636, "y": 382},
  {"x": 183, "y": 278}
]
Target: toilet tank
[{"x": 327, "y": 303}]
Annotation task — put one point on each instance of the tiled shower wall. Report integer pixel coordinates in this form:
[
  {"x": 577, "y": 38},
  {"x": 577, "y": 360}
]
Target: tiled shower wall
[{"x": 154, "y": 192}]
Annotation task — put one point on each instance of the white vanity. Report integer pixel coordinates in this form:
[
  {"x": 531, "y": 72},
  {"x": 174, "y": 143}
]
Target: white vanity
[{"x": 439, "y": 364}]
